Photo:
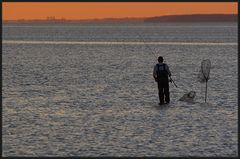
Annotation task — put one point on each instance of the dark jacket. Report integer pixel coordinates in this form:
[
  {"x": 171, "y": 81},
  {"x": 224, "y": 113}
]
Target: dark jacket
[{"x": 163, "y": 68}]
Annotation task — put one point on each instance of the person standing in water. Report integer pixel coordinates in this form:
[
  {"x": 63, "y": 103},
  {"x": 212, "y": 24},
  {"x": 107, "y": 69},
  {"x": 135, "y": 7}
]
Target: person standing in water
[{"x": 161, "y": 73}]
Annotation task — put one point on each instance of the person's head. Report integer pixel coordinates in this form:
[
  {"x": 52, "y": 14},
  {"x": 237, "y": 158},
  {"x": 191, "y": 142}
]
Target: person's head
[{"x": 160, "y": 59}]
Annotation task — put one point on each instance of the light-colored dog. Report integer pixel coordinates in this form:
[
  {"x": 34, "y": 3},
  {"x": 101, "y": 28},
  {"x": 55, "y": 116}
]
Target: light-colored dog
[{"x": 188, "y": 97}]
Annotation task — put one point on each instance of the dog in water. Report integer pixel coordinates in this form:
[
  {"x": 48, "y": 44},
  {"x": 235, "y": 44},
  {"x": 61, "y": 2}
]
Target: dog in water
[{"x": 188, "y": 97}]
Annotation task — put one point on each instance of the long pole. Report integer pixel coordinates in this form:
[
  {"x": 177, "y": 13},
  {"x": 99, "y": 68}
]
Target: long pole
[
  {"x": 206, "y": 92},
  {"x": 147, "y": 46},
  {"x": 152, "y": 53},
  {"x": 173, "y": 82}
]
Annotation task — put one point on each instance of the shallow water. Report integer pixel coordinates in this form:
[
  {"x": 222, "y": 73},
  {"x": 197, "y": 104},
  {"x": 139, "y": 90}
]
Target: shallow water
[{"x": 101, "y": 100}]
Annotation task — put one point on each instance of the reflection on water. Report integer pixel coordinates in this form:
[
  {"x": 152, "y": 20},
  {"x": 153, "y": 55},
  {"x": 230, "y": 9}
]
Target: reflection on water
[{"x": 101, "y": 100}]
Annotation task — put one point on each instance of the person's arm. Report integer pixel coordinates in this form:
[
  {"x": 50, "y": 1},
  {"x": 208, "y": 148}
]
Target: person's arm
[
  {"x": 167, "y": 69},
  {"x": 155, "y": 72}
]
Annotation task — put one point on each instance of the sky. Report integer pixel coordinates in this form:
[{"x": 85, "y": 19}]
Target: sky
[{"x": 93, "y": 10}]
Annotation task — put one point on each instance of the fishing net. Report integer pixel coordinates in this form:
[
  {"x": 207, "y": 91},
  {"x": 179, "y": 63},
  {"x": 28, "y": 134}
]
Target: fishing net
[{"x": 204, "y": 73}]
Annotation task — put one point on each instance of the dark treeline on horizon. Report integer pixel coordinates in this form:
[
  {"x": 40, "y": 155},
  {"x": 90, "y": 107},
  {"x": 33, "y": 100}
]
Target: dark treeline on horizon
[
  {"x": 169, "y": 18},
  {"x": 195, "y": 18}
]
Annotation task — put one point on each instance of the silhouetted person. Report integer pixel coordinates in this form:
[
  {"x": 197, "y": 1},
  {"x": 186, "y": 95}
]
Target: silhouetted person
[{"x": 160, "y": 73}]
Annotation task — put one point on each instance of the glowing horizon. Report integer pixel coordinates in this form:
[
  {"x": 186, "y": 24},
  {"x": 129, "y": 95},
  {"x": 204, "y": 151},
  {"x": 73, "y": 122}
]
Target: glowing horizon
[{"x": 103, "y": 10}]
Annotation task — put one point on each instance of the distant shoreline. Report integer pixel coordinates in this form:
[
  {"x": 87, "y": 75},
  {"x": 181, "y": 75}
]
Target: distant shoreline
[{"x": 157, "y": 19}]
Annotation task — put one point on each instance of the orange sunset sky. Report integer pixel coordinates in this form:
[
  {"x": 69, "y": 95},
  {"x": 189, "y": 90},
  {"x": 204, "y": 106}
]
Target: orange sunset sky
[{"x": 91, "y": 10}]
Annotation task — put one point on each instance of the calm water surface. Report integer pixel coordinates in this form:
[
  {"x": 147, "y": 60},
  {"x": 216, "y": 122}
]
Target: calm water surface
[{"x": 101, "y": 99}]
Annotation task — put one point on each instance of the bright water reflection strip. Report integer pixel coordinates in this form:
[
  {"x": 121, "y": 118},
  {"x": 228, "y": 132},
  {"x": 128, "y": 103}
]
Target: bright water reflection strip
[{"x": 113, "y": 43}]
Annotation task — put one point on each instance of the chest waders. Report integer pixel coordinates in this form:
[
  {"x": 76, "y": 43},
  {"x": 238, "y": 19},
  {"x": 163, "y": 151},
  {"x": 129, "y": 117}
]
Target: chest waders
[{"x": 163, "y": 85}]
